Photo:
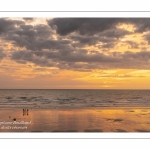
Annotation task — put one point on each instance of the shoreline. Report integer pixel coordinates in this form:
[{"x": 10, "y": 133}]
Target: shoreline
[{"x": 78, "y": 108}]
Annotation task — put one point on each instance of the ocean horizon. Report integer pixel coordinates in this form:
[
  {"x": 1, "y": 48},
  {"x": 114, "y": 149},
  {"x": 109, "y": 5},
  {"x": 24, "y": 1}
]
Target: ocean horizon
[{"x": 73, "y": 98}]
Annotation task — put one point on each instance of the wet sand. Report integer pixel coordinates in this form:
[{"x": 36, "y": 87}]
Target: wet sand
[{"x": 75, "y": 120}]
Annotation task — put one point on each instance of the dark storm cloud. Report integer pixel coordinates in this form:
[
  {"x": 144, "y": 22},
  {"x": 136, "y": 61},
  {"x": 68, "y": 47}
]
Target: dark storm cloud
[
  {"x": 143, "y": 24},
  {"x": 85, "y": 26},
  {"x": 36, "y": 38},
  {"x": 100, "y": 42},
  {"x": 81, "y": 59},
  {"x": 40, "y": 36},
  {"x": 31, "y": 37},
  {"x": 29, "y": 56},
  {"x": 91, "y": 26},
  {"x": 22, "y": 55},
  {"x": 79, "y": 56},
  {"x": 92, "y": 40},
  {"x": 68, "y": 51},
  {"x": 125, "y": 61},
  {"x": 140, "y": 56},
  {"x": 7, "y": 25},
  {"x": 2, "y": 54},
  {"x": 147, "y": 38},
  {"x": 85, "y": 40},
  {"x": 108, "y": 38}
]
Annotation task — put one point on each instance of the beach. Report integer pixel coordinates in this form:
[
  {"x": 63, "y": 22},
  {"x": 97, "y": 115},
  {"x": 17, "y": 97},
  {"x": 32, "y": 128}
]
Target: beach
[
  {"x": 76, "y": 120},
  {"x": 74, "y": 111}
]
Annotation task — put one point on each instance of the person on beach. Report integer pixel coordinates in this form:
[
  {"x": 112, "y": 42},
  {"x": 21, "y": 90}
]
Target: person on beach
[{"x": 25, "y": 112}]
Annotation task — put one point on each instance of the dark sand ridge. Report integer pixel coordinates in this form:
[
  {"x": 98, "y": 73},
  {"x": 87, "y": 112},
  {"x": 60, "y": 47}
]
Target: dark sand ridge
[{"x": 76, "y": 120}]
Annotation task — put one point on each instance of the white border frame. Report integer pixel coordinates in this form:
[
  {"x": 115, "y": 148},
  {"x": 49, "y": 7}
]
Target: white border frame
[{"x": 107, "y": 8}]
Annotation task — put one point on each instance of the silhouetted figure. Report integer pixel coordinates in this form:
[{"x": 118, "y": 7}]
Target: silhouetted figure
[{"x": 25, "y": 112}]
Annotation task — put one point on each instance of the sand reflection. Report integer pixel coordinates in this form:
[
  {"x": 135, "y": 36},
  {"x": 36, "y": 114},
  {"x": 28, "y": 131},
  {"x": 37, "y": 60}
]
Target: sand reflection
[{"x": 76, "y": 120}]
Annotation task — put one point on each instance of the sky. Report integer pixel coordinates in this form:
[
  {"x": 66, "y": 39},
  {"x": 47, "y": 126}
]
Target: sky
[{"x": 75, "y": 53}]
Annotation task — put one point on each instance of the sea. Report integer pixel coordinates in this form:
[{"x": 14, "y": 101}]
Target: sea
[{"x": 72, "y": 98}]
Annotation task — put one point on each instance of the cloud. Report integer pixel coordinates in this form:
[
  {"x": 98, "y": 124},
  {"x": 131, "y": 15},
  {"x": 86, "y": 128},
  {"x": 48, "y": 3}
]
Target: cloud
[
  {"x": 106, "y": 39},
  {"x": 2, "y": 54},
  {"x": 39, "y": 44},
  {"x": 30, "y": 37},
  {"x": 85, "y": 40},
  {"x": 28, "y": 19},
  {"x": 38, "y": 37},
  {"x": 147, "y": 38},
  {"x": 92, "y": 26},
  {"x": 7, "y": 25},
  {"x": 35, "y": 37},
  {"x": 143, "y": 55},
  {"x": 29, "y": 56},
  {"x": 132, "y": 44},
  {"x": 81, "y": 59},
  {"x": 142, "y": 24},
  {"x": 85, "y": 26}
]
